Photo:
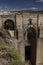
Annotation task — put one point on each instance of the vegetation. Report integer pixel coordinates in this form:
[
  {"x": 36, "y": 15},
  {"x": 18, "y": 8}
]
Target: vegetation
[{"x": 8, "y": 54}]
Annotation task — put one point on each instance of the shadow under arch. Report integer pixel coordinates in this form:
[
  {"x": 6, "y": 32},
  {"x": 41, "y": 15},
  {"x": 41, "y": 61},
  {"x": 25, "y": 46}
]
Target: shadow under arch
[
  {"x": 32, "y": 36},
  {"x": 9, "y": 25},
  {"x": 31, "y": 33},
  {"x": 32, "y": 40}
]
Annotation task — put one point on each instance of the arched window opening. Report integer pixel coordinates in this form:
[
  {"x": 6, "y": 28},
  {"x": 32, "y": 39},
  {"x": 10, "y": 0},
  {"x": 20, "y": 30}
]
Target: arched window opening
[{"x": 9, "y": 25}]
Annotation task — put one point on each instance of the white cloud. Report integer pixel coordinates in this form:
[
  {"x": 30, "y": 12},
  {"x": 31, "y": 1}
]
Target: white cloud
[
  {"x": 34, "y": 8},
  {"x": 39, "y": 0}
]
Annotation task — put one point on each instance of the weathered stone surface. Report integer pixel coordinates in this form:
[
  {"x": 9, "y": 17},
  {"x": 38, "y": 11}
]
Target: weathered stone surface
[{"x": 21, "y": 21}]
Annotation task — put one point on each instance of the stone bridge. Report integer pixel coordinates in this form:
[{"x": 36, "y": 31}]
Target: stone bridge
[{"x": 16, "y": 23}]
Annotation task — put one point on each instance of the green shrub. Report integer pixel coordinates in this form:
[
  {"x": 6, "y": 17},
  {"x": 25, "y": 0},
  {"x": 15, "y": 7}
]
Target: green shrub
[{"x": 9, "y": 53}]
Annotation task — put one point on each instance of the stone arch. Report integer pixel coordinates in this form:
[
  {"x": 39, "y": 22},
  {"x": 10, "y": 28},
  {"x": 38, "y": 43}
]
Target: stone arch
[
  {"x": 29, "y": 29},
  {"x": 9, "y": 24},
  {"x": 32, "y": 36},
  {"x": 32, "y": 40},
  {"x": 31, "y": 33}
]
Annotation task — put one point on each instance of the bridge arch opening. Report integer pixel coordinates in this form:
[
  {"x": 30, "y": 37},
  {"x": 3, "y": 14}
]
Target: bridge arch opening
[
  {"x": 31, "y": 33},
  {"x": 30, "y": 50},
  {"x": 9, "y": 25}
]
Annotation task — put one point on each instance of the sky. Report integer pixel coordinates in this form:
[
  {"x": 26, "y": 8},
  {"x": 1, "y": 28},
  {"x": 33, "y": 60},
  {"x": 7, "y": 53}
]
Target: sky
[{"x": 21, "y": 4}]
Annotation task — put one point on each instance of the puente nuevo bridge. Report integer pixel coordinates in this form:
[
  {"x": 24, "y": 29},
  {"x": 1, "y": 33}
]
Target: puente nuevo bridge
[{"x": 17, "y": 23}]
